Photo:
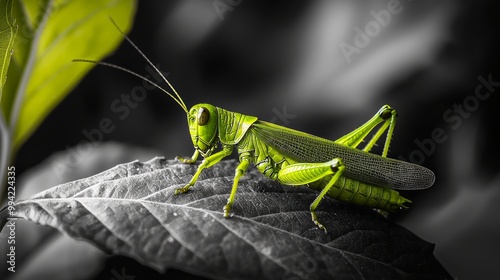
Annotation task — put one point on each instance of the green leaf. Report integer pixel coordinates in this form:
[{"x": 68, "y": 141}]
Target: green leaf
[
  {"x": 52, "y": 33},
  {"x": 7, "y": 34},
  {"x": 131, "y": 210}
]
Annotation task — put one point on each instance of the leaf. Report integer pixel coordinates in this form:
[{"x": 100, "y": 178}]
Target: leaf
[
  {"x": 131, "y": 210},
  {"x": 44, "y": 244},
  {"x": 7, "y": 35},
  {"x": 52, "y": 34}
]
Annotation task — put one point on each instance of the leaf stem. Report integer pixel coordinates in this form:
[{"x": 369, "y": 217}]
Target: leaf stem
[{"x": 5, "y": 145}]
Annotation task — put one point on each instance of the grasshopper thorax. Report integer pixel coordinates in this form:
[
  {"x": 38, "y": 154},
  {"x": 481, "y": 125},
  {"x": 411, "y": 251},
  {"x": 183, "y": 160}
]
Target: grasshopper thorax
[{"x": 203, "y": 127}]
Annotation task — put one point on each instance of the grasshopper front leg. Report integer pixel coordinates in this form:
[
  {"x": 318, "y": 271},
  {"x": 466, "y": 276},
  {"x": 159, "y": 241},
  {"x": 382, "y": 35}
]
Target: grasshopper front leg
[
  {"x": 206, "y": 163},
  {"x": 305, "y": 173},
  {"x": 190, "y": 160}
]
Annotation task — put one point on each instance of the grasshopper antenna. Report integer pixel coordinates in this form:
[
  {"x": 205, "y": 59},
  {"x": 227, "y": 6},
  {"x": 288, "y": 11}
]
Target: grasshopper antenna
[
  {"x": 183, "y": 106},
  {"x": 177, "y": 97}
]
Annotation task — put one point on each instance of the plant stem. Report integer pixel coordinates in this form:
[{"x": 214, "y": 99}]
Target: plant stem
[{"x": 5, "y": 144}]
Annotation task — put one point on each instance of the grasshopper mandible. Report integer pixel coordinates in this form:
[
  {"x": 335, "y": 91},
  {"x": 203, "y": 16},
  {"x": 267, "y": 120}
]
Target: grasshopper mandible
[{"x": 337, "y": 169}]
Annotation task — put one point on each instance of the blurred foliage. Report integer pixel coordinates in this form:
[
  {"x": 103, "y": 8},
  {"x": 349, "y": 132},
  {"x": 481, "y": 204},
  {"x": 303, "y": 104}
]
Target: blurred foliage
[
  {"x": 7, "y": 34},
  {"x": 51, "y": 34}
]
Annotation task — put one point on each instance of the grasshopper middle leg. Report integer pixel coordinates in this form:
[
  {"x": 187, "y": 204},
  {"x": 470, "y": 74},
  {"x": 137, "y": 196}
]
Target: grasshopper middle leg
[{"x": 238, "y": 173}]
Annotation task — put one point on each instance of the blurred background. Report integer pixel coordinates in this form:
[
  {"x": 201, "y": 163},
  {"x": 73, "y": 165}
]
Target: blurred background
[{"x": 323, "y": 67}]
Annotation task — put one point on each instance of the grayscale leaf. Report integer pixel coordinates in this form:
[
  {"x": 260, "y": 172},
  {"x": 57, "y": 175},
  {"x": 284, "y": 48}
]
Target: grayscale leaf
[{"x": 132, "y": 210}]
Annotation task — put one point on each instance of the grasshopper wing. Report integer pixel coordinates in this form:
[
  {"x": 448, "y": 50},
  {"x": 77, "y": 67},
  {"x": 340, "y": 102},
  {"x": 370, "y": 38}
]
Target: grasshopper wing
[{"x": 362, "y": 166}]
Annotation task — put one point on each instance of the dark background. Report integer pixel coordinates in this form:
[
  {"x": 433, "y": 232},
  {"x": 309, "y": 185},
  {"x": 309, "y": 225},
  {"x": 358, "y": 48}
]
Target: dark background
[{"x": 267, "y": 55}]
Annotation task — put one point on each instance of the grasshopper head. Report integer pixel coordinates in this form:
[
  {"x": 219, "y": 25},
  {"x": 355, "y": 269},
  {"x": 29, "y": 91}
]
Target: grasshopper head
[{"x": 203, "y": 124}]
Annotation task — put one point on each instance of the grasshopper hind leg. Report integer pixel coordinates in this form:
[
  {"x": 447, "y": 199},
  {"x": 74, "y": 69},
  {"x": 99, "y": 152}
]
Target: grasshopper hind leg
[
  {"x": 385, "y": 120},
  {"x": 305, "y": 173},
  {"x": 386, "y": 116}
]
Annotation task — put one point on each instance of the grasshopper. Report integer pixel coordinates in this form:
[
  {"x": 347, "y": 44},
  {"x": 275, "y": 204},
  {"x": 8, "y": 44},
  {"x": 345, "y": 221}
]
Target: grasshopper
[{"x": 337, "y": 169}]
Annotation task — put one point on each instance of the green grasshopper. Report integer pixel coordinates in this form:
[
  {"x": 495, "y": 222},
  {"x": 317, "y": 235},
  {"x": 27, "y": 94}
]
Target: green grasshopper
[{"x": 337, "y": 169}]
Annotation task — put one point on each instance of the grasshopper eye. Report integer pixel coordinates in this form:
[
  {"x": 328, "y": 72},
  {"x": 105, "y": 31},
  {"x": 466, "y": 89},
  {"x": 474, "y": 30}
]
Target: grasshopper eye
[{"x": 203, "y": 116}]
